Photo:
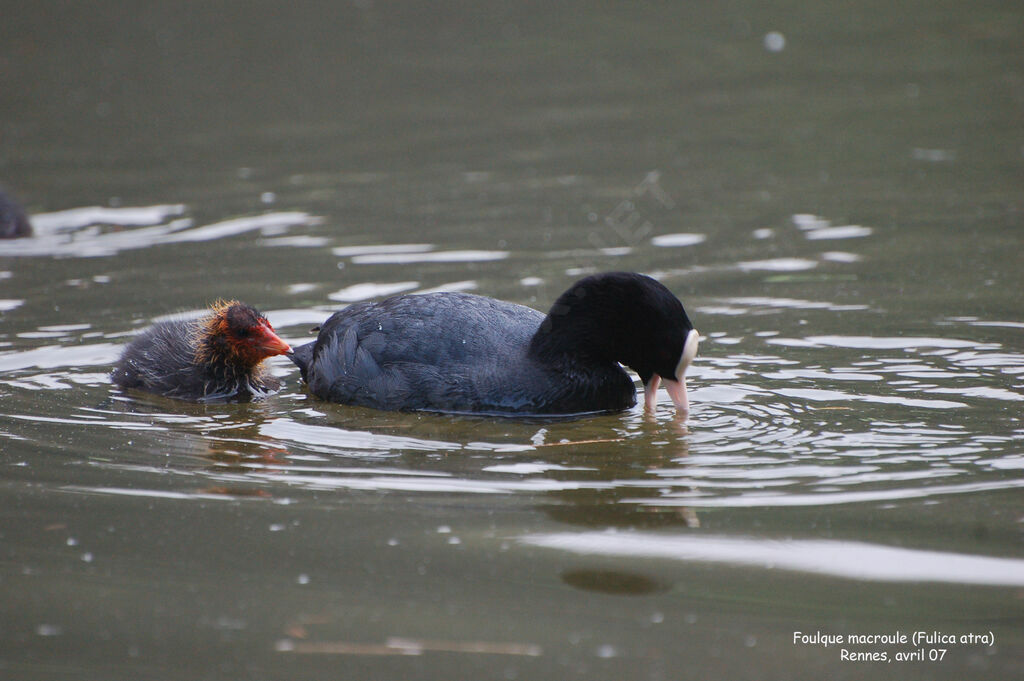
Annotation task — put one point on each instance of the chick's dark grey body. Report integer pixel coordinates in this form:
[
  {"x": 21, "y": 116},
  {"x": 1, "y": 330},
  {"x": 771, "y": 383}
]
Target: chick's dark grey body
[
  {"x": 451, "y": 352},
  {"x": 162, "y": 360}
]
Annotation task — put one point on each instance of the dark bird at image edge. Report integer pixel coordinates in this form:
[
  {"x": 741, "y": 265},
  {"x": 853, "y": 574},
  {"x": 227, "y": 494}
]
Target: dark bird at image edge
[{"x": 14, "y": 223}]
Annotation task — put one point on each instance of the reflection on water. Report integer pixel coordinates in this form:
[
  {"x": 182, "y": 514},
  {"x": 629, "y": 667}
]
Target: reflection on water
[
  {"x": 842, "y": 559},
  {"x": 816, "y": 228},
  {"x": 96, "y": 231}
]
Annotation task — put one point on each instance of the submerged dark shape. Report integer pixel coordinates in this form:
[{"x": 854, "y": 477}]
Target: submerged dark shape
[
  {"x": 215, "y": 357},
  {"x": 13, "y": 221},
  {"x": 455, "y": 352}
]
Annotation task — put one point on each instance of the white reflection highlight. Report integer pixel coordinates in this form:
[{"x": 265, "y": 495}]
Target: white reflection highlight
[
  {"x": 433, "y": 256},
  {"x": 356, "y": 292},
  {"x": 325, "y": 436},
  {"x": 450, "y": 287},
  {"x": 890, "y": 343},
  {"x": 840, "y": 256},
  {"x": 147, "y": 493},
  {"x": 80, "y": 232},
  {"x": 780, "y": 500},
  {"x": 60, "y": 356},
  {"x": 380, "y": 249},
  {"x": 423, "y": 483},
  {"x": 678, "y": 240},
  {"x": 779, "y": 265},
  {"x": 77, "y": 218},
  {"x": 792, "y": 303},
  {"x": 820, "y": 395},
  {"x": 815, "y": 227},
  {"x": 843, "y": 232},
  {"x": 850, "y": 560},
  {"x": 269, "y": 222}
]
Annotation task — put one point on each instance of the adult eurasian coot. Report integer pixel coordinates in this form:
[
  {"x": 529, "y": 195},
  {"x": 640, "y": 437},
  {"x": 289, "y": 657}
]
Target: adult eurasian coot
[{"x": 455, "y": 352}]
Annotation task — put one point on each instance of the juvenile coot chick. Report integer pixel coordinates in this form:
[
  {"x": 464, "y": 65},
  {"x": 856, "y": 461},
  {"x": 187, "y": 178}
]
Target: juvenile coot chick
[
  {"x": 13, "y": 222},
  {"x": 215, "y": 357},
  {"x": 455, "y": 352}
]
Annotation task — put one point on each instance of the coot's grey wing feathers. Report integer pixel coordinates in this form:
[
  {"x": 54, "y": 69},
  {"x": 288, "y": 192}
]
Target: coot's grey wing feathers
[
  {"x": 333, "y": 365},
  {"x": 345, "y": 362},
  {"x": 418, "y": 352}
]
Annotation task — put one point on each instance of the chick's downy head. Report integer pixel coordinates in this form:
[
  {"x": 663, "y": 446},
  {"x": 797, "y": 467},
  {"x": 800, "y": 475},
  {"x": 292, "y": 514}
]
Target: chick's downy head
[{"x": 238, "y": 333}]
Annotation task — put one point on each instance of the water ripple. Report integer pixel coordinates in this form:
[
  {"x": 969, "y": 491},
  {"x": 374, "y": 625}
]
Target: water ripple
[
  {"x": 836, "y": 420},
  {"x": 95, "y": 231}
]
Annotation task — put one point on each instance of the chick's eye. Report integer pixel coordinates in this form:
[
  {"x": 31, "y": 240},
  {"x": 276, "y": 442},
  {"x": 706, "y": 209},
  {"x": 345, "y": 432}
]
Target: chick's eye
[{"x": 242, "y": 333}]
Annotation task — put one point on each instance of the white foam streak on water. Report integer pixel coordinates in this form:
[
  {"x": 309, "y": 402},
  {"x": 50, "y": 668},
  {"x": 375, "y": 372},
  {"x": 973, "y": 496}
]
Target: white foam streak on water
[
  {"x": 807, "y": 221},
  {"x": 77, "y": 422},
  {"x": 900, "y": 342},
  {"x": 817, "y": 228},
  {"x": 346, "y": 470},
  {"x": 233, "y": 227},
  {"x": 297, "y": 317},
  {"x": 341, "y": 439},
  {"x": 840, "y": 256},
  {"x": 793, "y": 342},
  {"x": 989, "y": 359},
  {"x": 367, "y": 290},
  {"x": 427, "y": 257},
  {"x": 54, "y": 356},
  {"x": 841, "y": 232},
  {"x": 78, "y": 232},
  {"x": 92, "y": 242},
  {"x": 300, "y": 241},
  {"x": 789, "y": 303},
  {"x": 379, "y": 249},
  {"x": 532, "y": 468},
  {"x": 814, "y": 374},
  {"x": 756, "y": 499},
  {"x": 1008, "y": 325},
  {"x": 453, "y": 286},
  {"x": 763, "y": 473},
  {"x": 77, "y": 218},
  {"x": 1008, "y": 463},
  {"x": 979, "y": 391},
  {"x": 430, "y": 484},
  {"x": 148, "y": 493},
  {"x": 850, "y": 560},
  {"x": 779, "y": 264},
  {"x": 819, "y": 395},
  {"x": 678, "y": 240}
]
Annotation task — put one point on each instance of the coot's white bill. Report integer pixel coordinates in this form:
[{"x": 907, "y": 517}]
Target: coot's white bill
[{"x": 675, "y": 389}]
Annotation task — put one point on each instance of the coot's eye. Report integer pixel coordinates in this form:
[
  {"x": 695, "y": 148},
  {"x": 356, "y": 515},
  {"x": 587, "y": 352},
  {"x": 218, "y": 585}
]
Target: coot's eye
[{"x": 243, "y": 332}]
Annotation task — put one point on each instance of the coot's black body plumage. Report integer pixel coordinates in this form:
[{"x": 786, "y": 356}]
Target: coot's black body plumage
[
  {"x": 13, "y": 221},
  {"x": 456, "y": 352},
  {"x": 216, "y": 357}
]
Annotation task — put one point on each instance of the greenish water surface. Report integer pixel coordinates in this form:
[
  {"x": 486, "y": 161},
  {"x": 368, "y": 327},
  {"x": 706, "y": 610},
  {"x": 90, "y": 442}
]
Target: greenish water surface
[{"x": 835, "y": 193}]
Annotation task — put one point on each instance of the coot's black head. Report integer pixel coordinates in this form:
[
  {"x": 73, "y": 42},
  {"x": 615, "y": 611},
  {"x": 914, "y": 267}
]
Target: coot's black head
[
  {"x": 627, "y": 318},
  {"x": 238, "y": 334}
]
